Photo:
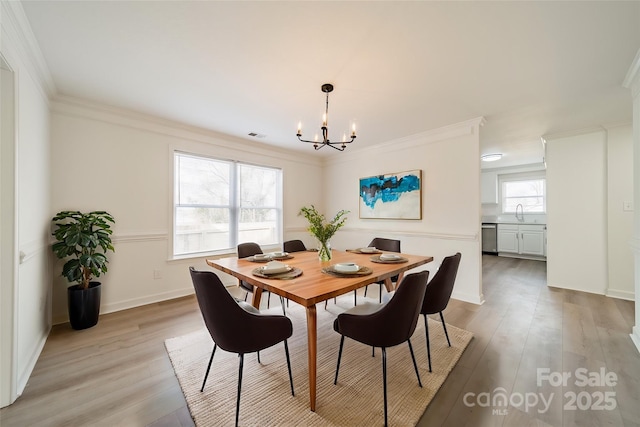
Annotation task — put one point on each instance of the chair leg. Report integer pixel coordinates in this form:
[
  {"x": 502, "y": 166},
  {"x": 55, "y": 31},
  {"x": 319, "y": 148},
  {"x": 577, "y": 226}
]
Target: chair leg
[
  {"x": 239, "y": 386},
  {"x": 286, "y": 351},
  {"x": 335, "y": 301},
  {"x": 335, "y": 381},
  {"x": 384, "y": 382},
  {"x": 426, "y": 332},
  {"x": 415, "y": 365},
  {"x": 208, "y": 367},
  {"x": 444, "y": 325}
]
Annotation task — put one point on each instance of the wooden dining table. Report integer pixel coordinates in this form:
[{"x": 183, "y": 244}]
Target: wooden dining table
[{"x": 314, "y": 286}]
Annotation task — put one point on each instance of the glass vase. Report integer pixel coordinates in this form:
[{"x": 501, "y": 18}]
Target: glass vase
[{"x": 324, "y": 251}]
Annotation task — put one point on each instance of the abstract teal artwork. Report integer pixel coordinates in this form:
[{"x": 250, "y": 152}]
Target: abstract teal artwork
[{"x": 392, "y": 196}]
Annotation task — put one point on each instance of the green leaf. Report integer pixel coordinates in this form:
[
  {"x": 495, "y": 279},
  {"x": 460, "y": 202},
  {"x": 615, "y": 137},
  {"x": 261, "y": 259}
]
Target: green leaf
[{"x": 84, "y": 238}]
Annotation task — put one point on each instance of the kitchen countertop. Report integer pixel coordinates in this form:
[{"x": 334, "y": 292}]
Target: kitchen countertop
[
  {"x": 498, "y": 220},
  {"x": 519, "y": 223}
]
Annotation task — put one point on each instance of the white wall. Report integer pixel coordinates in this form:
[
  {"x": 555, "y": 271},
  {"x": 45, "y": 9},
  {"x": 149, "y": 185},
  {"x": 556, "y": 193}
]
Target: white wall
[
  {"x": 632, "y": 82},
  {"x": 619, "y": 220},
  {"x": 119, "y": 161},
  {"x": 587, "y": 179},
  {"x": 450, "y": 162},
  {"x": 29, "y": 289}
]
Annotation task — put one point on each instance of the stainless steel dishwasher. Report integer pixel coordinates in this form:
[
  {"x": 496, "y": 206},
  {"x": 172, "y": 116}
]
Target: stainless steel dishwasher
[{"x": 489, "y": 238}]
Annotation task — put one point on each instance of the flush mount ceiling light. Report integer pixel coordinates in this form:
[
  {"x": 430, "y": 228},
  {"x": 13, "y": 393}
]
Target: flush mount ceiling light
[
  {"x": 491, "y": 157},
  {"x": 318, "y": 144}
]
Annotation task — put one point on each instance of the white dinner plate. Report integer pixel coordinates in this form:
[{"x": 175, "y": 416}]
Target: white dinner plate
[
  {"x": 278, "y": 254},
  {"x": 346, "y": 267},
  {"x": 276, "y": 270},
  {"x": 369, "y": 250}
]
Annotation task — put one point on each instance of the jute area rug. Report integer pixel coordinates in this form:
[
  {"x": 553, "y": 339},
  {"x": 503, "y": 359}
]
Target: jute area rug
[{"x": 356, "y": 400}]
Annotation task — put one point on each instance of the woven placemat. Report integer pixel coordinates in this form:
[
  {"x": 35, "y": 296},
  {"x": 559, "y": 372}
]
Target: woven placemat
[
  {"x": 275, "y": 258},
  {"x": 363, "y": 271},
  {"x": 292, "y": 274},
  {"x": 388, "y": 261},
  {"x": 358, "y": 251}
]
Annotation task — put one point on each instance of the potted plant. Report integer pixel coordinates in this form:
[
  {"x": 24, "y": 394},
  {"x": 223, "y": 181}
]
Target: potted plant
[
  {"x": 323, "y": 230},
  {"x": 83, "y": 239}
]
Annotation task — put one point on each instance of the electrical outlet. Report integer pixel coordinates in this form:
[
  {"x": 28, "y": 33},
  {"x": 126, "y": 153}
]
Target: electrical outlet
[
  {"x": 157, "y": 274},
  {"x": 627, "y": 206}
]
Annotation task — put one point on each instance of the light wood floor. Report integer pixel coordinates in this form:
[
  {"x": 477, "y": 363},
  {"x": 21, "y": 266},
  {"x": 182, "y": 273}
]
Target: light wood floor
[{"x": 118, "y": 373}]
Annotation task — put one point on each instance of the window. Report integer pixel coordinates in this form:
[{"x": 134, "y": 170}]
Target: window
[
  {"x": 219, "y": 203},
  {"x": 526, "y": 190}
]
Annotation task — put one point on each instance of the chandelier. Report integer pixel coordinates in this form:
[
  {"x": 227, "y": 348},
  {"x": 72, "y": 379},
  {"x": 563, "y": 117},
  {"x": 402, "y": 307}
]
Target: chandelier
[{"x": 318, "y": 144}]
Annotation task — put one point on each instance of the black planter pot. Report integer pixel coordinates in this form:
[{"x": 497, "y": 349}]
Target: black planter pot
[{"x": 84, "y": 305}]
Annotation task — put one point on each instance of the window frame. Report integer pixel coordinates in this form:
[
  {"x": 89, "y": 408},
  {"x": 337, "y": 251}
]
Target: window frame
[
  {"x": 525, "y": 176},
  {"x": 234, "y": 204}
]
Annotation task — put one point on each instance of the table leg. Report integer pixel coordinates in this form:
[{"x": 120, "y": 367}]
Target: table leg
[
  {"x": 257, "y": 294},
  {"x": 388, "y": 284},
  {"x": 312, "y": 338}
]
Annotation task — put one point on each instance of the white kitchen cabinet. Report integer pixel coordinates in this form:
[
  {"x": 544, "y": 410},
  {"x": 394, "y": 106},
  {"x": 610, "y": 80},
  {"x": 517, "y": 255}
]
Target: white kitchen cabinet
[
  {"x": 489, "y": 187},
  {"x": 532, "y": 240},
  {"x": 521, "y": 239},
  {"x": 508, "y": 238}
]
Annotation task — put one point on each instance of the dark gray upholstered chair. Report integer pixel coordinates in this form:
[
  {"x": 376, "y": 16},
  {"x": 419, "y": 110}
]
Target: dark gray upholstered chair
[
  {"x": 385, "y": 325},
  {"x": 438, "y": 294},
  {"x": 387, "y": 245},
  {"x": 246, "y": 250},
  {"x": 294, "y": 246},
  {"x": 237, "y": 327}
]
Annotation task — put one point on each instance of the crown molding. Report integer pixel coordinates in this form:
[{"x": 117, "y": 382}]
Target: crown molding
[
  {"x": 575, "y": 132},
  {"x": 77, "y": 107},
  {"x": 455, "y": 130},
  {"x": 16, "y": 28}
]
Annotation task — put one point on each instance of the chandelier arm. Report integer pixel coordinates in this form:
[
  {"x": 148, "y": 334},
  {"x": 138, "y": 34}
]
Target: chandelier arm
[
  {"x": 327, "y": 142},
  {"x": 333, "y": 145},
  {"x": 310, "y": 142}
]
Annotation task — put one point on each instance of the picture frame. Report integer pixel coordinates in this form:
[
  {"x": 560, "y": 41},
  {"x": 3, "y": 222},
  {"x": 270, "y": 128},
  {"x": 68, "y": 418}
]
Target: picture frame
[{"x": 391, "y": 196}]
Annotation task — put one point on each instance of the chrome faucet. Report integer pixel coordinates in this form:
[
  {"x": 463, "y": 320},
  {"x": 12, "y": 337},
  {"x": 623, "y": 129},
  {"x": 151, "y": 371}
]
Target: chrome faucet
[{"x": 521, "y": 217}]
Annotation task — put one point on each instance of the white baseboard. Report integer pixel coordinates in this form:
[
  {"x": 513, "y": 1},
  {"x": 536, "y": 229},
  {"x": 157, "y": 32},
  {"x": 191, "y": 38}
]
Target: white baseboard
[
  {"x": 626, "y": 295},
  {"x": 635, "y": 337},
  {"x": 136, "y": 302},
  {"x": 148, "y": 299},
  {"x": 26, "y": 374},
  {"x": 474, "y": 299}
]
